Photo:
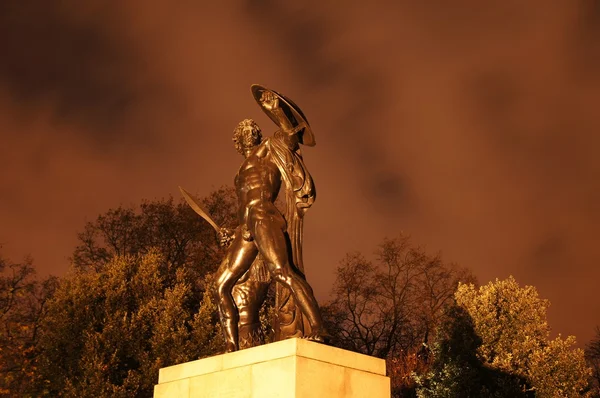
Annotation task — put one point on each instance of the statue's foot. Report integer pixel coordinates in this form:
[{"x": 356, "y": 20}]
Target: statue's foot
[
  {"x": 319, "y": 336},
  {"x": 230, "y": 347}
]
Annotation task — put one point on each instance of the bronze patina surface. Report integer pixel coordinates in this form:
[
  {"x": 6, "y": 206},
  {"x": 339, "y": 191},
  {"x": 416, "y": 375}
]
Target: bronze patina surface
[{"x": 266, "y": 246}]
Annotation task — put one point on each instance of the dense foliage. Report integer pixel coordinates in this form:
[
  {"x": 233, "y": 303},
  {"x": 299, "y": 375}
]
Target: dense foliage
[
  {"x": 108, "y": 332},
  {"x": 136, "y": 300},
  {"x": 182, "y": 237},
  {"x": 511, "y": 322},
  {"x": 457, "y": 370}
]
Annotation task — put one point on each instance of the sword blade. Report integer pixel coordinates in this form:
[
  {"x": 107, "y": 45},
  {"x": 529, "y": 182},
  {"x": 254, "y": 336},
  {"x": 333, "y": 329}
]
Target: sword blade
[{"x": 195, "y": 205}]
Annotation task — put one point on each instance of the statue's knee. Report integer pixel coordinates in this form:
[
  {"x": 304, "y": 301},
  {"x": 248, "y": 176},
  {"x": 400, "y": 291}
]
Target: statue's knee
[{"x": 223, "y": 288}]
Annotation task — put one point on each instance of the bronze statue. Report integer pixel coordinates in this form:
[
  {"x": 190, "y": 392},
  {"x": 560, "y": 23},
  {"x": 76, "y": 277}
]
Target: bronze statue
[{"x": 268, "y": 244}]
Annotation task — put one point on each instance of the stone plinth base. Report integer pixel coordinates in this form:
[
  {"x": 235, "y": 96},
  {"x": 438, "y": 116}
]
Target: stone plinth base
[{"x": 293, "y": 368}]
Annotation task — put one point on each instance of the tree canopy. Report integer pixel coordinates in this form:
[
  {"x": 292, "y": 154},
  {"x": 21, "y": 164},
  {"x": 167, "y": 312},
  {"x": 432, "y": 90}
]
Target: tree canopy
[
  {"x": 511, "y": 321},
  {"x": 389, "y": 308},
  {"x": 136, "y": 300},
  {"x": 108, "y": 332},
  {"x": 457, "y": 369},
  {"x": 23, "y": 302},
  {"x": 592, "y": 355},
  {"x": 181, "y": 236}
]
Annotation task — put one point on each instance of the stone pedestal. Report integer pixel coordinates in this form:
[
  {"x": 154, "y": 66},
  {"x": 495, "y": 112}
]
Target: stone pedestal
[{"x": 293, "y": 368}]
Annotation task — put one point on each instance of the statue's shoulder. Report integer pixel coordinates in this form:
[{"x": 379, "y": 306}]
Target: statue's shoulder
[
  {"x": 263, "y": 148},
  {"x": 266, "y": 142}
]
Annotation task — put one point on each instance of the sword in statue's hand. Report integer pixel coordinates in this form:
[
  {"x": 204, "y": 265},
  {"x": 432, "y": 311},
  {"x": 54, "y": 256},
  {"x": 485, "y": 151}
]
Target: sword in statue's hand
[{"x": 225, "y": 235}]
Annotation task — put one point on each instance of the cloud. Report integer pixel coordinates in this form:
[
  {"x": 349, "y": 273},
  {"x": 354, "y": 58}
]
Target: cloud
[
  {"x": 470, "y": 126},
  {"x": 75, "y": 62}
]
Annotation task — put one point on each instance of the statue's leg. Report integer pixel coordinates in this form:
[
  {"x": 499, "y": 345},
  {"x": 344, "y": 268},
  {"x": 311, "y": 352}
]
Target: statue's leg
[
  {"x": 270, "y": 239},
  {"x": 249, "y": 297},
  {"x": 238, "y": 259}
]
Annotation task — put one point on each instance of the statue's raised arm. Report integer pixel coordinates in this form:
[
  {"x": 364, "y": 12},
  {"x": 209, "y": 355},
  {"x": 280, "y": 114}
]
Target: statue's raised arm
[{"x": 285, "y": 114}]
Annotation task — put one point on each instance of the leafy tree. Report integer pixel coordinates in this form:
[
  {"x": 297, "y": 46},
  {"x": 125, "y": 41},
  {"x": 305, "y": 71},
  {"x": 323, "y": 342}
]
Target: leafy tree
[
  {"x": 22, "y": 304},
  {"x": 107, "y": 332},
  {"x": 175, "y": 229},
  {"x": 457, "y": 370},
  {"x": 512, "y": 324},
  {"x": 403, "y": 368},
  {"x": 136, "y": 299},
  {"x": 388, "y": 308},
  {"x": 592, "y": 355}
]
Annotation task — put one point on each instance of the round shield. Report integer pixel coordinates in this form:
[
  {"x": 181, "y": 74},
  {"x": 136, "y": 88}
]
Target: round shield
[{"x": 290, "y": 116}]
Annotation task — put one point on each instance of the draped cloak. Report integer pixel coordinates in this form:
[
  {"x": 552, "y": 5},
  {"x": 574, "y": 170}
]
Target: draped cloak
[{"x": 300, "y": 194}]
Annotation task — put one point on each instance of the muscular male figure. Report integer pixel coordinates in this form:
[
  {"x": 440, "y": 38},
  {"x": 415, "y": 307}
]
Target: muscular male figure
[{"x": 262, "y": 228}]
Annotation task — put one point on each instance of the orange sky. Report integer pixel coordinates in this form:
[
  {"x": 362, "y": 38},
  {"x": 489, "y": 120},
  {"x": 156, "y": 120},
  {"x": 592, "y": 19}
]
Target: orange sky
[{"x": 472, "y": 126}]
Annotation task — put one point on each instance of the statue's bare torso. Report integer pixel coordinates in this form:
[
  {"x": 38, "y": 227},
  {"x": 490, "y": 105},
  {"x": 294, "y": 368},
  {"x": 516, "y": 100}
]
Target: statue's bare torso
[{"x": 257, "y": 185}]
